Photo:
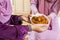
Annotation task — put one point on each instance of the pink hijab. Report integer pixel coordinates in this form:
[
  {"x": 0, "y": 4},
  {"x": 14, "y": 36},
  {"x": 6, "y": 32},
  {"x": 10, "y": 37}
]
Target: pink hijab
[{"x": 5, "y": 10}]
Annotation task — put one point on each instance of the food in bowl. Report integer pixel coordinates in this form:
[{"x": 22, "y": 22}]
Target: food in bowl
[{"x": 39, "y": 20}]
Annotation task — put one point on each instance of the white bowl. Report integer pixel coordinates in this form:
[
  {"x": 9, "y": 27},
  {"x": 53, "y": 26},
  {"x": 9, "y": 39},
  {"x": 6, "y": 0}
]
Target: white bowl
[{"x": 37, "y": 16}]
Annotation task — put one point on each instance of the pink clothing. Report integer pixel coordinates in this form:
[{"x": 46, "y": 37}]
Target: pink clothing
[
  {"x": 5, "y": 10},
  {"x": 46, "y": 8}
]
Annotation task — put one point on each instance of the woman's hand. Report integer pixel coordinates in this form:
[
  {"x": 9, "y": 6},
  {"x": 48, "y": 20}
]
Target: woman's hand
[
  {"x": 25, "y": 18},
  {"x": 39, "y": 28}
]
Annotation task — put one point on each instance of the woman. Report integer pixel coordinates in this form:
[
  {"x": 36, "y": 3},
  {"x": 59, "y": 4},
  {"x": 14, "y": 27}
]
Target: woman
[
  {"x": 16, "y": 32},
  {"x": 50, "y": 8}
]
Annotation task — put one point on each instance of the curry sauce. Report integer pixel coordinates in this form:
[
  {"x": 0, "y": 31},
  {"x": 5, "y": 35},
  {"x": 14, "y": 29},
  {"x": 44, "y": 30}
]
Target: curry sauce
[{"x": 39, "y": 20}]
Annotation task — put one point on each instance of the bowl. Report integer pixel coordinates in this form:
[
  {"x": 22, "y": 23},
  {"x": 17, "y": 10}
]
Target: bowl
[{"x": 39, "y": 19}]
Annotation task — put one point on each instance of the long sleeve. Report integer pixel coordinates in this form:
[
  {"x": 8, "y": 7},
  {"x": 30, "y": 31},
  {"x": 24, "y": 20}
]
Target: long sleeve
[
  {"x": 22, "y": 31},
  {"x": 53, "y": 14},
  {"x": 14, "y": 20},
  {"x": 16, "y": 32}
]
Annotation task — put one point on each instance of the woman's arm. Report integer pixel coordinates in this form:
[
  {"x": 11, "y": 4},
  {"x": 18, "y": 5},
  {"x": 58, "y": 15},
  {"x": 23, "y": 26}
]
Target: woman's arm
[
  {"x": 17, "y": 31},
  {"x": 32, "y": 27}
]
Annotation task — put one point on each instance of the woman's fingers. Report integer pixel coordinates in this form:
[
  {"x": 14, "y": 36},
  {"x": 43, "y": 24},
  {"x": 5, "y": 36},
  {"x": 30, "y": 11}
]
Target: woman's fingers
[{"x": 24, "y": 18}]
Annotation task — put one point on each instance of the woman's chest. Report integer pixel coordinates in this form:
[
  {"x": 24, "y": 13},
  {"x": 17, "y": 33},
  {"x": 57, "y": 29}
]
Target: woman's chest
[
  {"x": 46, "y": 3},
  {"x": 2, "y": 3}
]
